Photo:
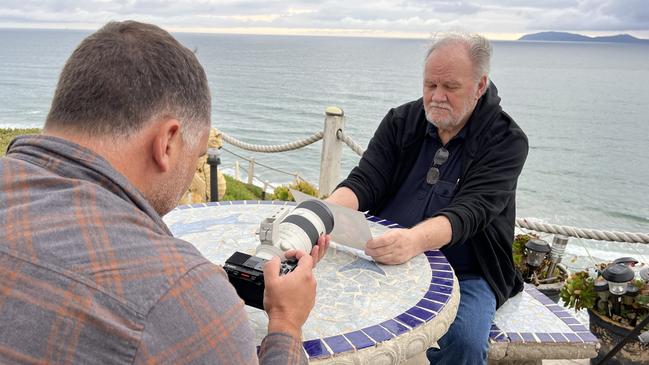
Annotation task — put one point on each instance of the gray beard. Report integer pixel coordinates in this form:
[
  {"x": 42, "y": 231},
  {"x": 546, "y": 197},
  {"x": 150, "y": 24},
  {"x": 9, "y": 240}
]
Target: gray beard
[{"x": 443, "y": 124}]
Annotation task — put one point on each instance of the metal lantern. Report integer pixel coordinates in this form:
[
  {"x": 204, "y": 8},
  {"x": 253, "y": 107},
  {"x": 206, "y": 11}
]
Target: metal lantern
[
  {"x": 536, "y": 252},
  {"x": 628, "y": 261},
  {"x": 601, "y": 289},
  {"x": 559, "y": 244},
  {"x": 601, "y": 286},
  {"x": 632, "y": 291},
  {"x": 644, "y": 274},
  {"x": 214, "y": 159},
  {"x": 618, "y": 275}
]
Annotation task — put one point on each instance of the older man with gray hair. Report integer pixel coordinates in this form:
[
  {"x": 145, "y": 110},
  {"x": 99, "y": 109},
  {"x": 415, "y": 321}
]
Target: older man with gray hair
[{"x": 446, "y": 167}]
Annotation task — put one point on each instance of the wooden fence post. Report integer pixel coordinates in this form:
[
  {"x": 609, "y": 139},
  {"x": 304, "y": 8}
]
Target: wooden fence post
[
  {"x": 331, "y": 150},
  {"x": 237, "y": 172},
  {"x": 251, "y": 170}
]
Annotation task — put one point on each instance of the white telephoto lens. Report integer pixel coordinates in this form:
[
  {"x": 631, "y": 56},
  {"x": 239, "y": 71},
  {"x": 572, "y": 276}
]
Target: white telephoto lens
[{"x": 300, "y": 229}]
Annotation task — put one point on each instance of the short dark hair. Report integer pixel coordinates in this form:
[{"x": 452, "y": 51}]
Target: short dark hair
[{"x": 125, "y": 74}]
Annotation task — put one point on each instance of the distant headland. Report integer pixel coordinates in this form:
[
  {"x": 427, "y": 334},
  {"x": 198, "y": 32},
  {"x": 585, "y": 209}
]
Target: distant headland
[{"x": 572, "y": 37}]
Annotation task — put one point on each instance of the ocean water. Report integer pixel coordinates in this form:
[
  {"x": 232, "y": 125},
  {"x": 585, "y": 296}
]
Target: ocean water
[{"x": 583, "y": 106}]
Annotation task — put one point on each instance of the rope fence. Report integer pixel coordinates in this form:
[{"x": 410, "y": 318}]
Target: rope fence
[
  {"x": 350, "y": 142},
  {"x": 593, "y": 234},
  {"x": 273, "y": 148},
  {"x": 259, "y": 163}
]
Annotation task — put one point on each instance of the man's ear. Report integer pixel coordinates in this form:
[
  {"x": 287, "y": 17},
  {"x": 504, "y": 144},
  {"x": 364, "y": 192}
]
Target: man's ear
[
  {"x": 166, "y": 142},
  {"x": 482, "y": 86}
]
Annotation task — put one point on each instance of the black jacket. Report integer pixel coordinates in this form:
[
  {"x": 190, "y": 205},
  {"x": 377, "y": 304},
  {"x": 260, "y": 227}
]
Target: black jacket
[{"x": 483, "y": 209}]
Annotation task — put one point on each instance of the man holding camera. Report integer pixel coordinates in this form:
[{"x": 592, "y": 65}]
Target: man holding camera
[
  {"x": 89, "y": 272},
  {"x": 446, "y": 167}
]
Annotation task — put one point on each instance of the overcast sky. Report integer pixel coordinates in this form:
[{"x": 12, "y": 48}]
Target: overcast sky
[{"x": 498, "y": 19}]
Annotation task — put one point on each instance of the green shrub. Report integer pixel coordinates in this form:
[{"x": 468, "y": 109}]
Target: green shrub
[
  {"x": 8, "y": 134},
  {"x": 518, "y": 249},
  {"x": 237, "y": 190},
  {"x": 282, "y": 192}
]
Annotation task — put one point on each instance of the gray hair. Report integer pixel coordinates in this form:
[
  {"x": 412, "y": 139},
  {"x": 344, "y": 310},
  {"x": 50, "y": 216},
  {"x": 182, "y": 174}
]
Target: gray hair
[{"x": 479, "y": 49}]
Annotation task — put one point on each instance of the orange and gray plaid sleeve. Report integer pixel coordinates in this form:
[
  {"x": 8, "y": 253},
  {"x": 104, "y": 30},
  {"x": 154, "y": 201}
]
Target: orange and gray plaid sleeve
[
  {"x": 201, "y": 320},
  {"x": 280, "y": 348}
]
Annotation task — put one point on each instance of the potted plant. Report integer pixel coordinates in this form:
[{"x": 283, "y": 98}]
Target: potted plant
[
  {"x": 539, "y": 263},
  {"x": 617, "y": 301}
]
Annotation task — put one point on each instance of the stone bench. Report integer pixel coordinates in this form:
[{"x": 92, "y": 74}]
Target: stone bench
[{"x": 530, "y": 327}]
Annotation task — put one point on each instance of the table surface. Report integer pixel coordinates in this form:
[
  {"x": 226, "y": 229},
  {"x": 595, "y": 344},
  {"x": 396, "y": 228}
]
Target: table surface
[
  {"x": 532, "y": 326},
  {"x": 359, "y": 304}
]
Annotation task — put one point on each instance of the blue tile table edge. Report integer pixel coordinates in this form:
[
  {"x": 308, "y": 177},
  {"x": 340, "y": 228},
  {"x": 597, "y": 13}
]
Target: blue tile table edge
[{"x": 578, "y": 334}]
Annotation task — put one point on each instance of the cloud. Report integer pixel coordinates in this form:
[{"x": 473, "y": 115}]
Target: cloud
[
  {"x": 416, "y": 16},
  {"x": 594, "y": 15}
]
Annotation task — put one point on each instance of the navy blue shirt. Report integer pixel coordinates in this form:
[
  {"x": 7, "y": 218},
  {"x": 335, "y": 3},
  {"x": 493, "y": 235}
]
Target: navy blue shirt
[{"x": 417, "y": 201}]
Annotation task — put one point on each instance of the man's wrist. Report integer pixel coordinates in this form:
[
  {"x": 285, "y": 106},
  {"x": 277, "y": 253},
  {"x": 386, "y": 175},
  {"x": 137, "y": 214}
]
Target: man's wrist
[
  {"x": 432, "y": 234},
  {"x": 421, "y": 239},
  {"x": 283, "y": 326}
]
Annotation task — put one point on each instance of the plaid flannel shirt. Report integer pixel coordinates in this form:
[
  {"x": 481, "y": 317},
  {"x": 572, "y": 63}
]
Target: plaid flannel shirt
[{"x": 90, "y": 274}]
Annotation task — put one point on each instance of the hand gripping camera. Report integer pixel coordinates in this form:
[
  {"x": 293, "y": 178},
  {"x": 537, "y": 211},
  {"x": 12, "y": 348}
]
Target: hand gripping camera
[{"x": 285, "y": 230}]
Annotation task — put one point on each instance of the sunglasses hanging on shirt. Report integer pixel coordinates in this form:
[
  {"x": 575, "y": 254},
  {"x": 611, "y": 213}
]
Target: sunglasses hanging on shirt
[{"x": 432, "y": 177}]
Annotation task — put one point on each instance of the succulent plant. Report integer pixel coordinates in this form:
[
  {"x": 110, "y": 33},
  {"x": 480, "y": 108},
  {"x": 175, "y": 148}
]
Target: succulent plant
[{"x": 579, "y": 291}]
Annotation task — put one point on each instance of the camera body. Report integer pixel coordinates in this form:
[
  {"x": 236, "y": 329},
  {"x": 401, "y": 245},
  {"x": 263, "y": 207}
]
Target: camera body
[
  {"x": 246, "y": 274},
  {"x": 284, "y": 230}
]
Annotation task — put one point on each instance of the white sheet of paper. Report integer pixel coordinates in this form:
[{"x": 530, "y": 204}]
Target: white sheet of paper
[{"x": 350, "y": 226}]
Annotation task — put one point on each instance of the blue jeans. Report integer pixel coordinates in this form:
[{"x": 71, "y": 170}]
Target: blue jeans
[{"x": 467, "y": 340}]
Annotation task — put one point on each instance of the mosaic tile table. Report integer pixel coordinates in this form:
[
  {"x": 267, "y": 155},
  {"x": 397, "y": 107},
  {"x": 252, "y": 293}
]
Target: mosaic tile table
[
  {"x": 365, "y": 313},
  {"x": 531, "y": 327}
]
